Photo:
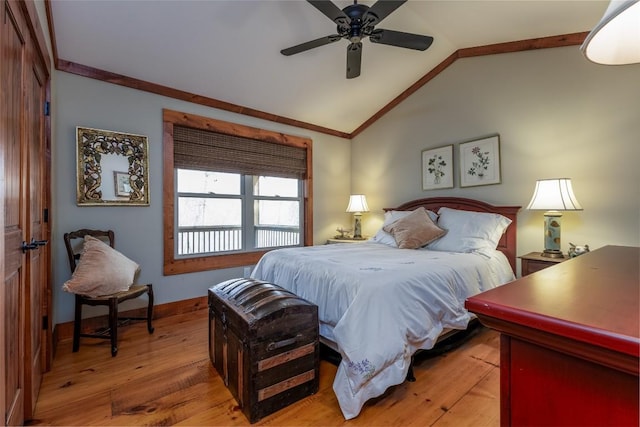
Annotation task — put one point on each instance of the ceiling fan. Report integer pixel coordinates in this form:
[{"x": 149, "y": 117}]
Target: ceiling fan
[{"x": 356, "y": 22}]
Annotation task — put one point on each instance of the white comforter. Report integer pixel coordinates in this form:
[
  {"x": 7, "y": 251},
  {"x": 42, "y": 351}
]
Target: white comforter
[{"x": 382, "y": 304}]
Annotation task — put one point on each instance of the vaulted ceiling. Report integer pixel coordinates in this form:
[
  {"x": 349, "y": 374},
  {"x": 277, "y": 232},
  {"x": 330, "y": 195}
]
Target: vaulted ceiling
[{"x": 228, "y": 51}]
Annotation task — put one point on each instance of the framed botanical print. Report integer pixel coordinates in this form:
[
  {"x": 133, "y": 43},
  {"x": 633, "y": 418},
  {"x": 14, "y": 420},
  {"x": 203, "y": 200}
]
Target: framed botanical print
[
  {"x": 480, "y": 161},
  {"x": 437, "y": 168}
]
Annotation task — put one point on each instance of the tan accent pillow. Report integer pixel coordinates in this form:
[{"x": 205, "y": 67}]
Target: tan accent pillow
[
  {"x": 101, "y": 270},
  {"x": 415, "y": 230}
]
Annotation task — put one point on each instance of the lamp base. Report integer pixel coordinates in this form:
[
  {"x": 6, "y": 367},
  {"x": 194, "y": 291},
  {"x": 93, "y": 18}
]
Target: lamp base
[
  {"x": 552, "y": 248},
  {"x": 548, "y": 253},
  {"x": 357, "y": 229}
]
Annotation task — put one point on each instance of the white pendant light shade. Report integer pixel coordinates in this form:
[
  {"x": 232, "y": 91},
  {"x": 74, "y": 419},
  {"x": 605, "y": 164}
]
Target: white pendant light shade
[{"x": 616, "y": 38}]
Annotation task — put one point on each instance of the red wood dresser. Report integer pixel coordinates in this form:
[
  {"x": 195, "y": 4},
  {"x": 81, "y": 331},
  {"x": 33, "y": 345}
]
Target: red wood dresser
[{"x": 570, "y": 341}]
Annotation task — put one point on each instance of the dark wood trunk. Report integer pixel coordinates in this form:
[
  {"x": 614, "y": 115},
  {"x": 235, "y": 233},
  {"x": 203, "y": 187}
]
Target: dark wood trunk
[{"x": 263, "y": 341}]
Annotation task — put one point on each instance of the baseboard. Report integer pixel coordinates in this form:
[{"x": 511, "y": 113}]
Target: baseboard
[{"x": 65, "y": 330}]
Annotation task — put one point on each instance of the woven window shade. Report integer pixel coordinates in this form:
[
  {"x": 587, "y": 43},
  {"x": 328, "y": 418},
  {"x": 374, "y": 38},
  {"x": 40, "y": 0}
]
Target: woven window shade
[{"x": 211, "y": 151}]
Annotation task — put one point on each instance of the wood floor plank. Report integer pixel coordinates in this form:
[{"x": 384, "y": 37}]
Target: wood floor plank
[
  {"x": 470, "y": 410},
  {"x": 128, "y": 399},
  {"x": 92, "y": 410},
  {"x": 167, "y": 379},
  {"x": 173, "y": 408}
]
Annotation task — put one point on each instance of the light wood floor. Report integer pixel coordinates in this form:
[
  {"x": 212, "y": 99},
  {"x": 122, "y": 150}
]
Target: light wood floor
[{"x": 167, "y": 379}]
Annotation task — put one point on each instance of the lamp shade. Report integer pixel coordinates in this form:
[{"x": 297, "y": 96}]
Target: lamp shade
[
  {"x": 357, "y": 203},
  {"x": 554, "y": 195},
  {"x": 616, "y": 38}
]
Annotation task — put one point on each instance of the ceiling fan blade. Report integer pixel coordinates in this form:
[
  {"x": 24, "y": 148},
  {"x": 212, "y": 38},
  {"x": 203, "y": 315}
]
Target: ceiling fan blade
[
  {"x": 400, "y": 39},
  {"x": 380, "y": 10},
  {"x": 354, "y": 59},
  {"x": 310, "y": 45},
  {"x": 330, "y": 10}
]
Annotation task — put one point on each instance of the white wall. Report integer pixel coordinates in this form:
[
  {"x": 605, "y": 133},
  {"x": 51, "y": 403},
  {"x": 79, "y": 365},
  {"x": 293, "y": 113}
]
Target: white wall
[
  {"x": 80, "y": 101},
  {"x": 558, "y": 115}
]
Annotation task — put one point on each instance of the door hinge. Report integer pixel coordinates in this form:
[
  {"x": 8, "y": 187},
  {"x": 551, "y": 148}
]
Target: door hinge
[
  {"x": 45, "y": 323},
  {"x": 47, "y": 108},
  {"x": 45, "y": 215}
]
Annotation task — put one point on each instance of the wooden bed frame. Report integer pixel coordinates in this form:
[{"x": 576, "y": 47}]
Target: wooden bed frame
[{"x": 507, "y": 244}]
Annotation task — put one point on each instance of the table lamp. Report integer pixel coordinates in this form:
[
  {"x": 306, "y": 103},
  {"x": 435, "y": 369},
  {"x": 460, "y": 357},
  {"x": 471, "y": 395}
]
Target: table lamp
[
  {"x": 357, "y": 205},
  {"x": 553, "y": 196}
]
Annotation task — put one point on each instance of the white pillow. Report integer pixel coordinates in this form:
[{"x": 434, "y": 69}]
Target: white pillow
[
  {"x": 101, "y": 270},
  {"x": 389, "y": 218},
  {"x": 469, "y": 231}
]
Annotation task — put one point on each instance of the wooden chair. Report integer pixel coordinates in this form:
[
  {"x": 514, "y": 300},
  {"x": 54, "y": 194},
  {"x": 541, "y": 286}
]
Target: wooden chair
[{"x": 74, "y": 251}]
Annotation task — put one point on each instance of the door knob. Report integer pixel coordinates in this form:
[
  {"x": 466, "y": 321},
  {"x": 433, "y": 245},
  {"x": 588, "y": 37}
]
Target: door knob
[
  {"x": 38, "y": 242},
  {"x": 28, "y": 246},
  {"x": 33, "y": 244}
]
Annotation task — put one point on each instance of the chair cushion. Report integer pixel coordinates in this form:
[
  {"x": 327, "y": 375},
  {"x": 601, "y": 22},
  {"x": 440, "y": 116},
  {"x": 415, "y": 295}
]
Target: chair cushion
[
  {"x": 101, "y": 270},
  {"x": 133, "y": 292}
]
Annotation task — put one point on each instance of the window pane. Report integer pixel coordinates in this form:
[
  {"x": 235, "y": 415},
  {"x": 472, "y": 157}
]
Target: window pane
[
  {"x": 202, "y": 212},
  {"x": 272, "y": 187},
  {"x": 203, "y": 182},
  {"x": 277, "y": 223},
  {"x": 277, "y": 213},
  {"x": 209, "y": 225}
]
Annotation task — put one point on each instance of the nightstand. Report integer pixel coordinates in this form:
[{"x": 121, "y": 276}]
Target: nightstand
[
  {"x": 533, "y": 262},
  {"x": 346, "y": 240}
]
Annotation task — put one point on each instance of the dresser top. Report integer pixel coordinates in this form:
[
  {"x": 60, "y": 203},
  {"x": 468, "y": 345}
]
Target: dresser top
[{"x": 593, "y": 298}]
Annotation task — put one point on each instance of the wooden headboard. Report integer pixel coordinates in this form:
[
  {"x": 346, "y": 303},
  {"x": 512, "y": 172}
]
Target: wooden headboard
[{"x": 507, "y": 244}]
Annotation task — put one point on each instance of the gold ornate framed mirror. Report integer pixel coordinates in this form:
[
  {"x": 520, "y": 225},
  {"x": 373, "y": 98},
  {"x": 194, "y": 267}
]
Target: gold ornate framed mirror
[{"x": 113, "y": 168}]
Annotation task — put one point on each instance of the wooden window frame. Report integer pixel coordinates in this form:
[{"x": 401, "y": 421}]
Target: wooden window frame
[{"x": 172, "y": 265}]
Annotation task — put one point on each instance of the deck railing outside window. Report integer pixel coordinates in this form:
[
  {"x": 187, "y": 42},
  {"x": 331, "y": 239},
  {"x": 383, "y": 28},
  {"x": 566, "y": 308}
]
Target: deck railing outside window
[
  {"x": 275, "y": 236},
  {"x": 201, "y": 240}
]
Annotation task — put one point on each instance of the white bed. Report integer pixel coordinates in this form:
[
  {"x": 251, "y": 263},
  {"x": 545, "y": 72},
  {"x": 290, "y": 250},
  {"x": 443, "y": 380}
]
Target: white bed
[{"x": 379, "y": 304}]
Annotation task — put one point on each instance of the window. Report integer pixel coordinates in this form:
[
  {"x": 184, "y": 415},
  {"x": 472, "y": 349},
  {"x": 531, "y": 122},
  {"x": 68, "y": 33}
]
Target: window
[
  {"x": 212, "y": 206},
  {"x": 231, "y": 193}
]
